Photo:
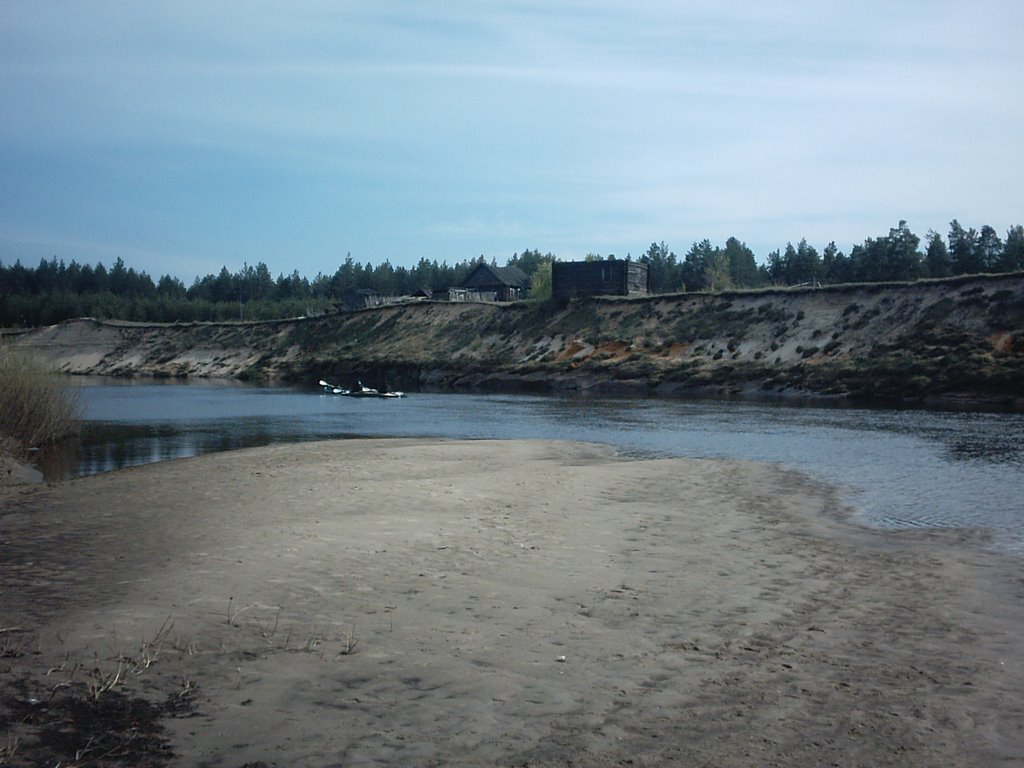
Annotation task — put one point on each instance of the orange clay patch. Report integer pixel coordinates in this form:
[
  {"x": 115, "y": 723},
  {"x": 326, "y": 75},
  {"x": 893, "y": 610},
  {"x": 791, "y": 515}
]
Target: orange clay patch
[
  {"x": 1004, "y": 342},
  {"x": 675, "y": 350},
  {"x": 572, "y": 349},
  {"x": 613, "y": 349}
]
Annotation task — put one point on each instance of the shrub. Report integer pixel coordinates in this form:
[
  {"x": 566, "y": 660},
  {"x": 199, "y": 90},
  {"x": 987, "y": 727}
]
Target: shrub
[{"x": 36, "y": 406}]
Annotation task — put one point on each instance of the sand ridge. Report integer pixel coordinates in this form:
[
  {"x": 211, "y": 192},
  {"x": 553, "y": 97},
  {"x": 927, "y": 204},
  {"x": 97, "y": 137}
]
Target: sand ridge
[{"x": 423, "y": 602}]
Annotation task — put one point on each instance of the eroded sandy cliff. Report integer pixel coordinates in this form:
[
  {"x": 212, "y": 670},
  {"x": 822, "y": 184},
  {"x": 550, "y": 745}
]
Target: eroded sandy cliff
[{"x": 926, "y": 341}]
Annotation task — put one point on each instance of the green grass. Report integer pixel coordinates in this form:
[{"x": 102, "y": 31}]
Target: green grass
[{"x": 36, "y": 405}]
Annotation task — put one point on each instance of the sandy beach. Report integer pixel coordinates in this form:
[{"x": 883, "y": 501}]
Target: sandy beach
[{"x": 485, "y": 603}]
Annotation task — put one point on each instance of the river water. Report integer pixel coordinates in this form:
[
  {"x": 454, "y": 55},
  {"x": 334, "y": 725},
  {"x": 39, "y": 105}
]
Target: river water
[{"x": 897, "y": 468}]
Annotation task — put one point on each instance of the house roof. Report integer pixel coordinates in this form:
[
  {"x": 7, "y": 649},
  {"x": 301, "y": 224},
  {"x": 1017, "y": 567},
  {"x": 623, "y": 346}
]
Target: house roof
[{"x": 486, "y": 274}]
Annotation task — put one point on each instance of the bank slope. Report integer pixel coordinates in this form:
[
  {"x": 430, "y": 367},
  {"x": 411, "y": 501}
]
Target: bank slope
[{"x": 930, "y": 340}]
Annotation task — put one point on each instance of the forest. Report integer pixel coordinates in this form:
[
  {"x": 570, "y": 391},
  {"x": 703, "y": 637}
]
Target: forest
[{"x": 54, "y": 291}]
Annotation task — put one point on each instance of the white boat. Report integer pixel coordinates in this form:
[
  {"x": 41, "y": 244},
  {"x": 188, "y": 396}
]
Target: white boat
[
  {"x": 362, "y": 391},
  {"x": 330, "y": 389},
  {"x": 365, "y": 391}
]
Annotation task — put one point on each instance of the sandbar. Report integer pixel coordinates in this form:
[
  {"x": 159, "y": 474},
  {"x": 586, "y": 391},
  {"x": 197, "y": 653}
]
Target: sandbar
[{"x": 475, "y": 603}]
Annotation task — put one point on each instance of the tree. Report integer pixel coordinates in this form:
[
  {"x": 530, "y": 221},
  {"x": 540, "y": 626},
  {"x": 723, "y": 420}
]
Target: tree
[
  {"x": 936, "y": 258},
  {"x": 893, "y": 257},
  {"x": 540, "y": 281},
  {"x": 803, "y": 264},
  {"x": 119, "y": 278},
  {"x": 742, "y": 266},
  {"x": 529, "y": 261},
  {"x": 170, "y": 287},
  {"x": 258, "y": 285},
  {"x": 426, "y": 275},
  {"x": 774, "y": 267},
  {"x": 345, "y": 280},
  {"x": 990, "y": 249},
  {"x": 663, "y": 271},
  {"x": 904, "y": 258},
  {"x": 224, "y": 286},
  {"x": 100, "y": 277},
  {"x": 386, "y": 279},
  {"x": 963, "y": 249},
  {"x": 695, "y": 266},
  {"x": 1013, "y": 250},
  {"x": 835, "y": 266},
  {"x": 717, "y": 274},
  {"x": 292, "y": 287}
]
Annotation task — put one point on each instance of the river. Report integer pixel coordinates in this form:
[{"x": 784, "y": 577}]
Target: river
[{"x": 896, "y": 468}]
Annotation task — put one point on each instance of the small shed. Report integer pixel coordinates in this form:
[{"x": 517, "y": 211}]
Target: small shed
[
  {"x": 505, "y": 283},
  {"x": 570, "y": 279}
]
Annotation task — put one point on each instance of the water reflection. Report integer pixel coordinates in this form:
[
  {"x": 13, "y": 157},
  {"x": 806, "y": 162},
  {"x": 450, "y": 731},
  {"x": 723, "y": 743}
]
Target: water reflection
[
  {"x": 106, "y": 446},
  {"x": 987, "y": 448},
  {"x": 61, "y": 460}
]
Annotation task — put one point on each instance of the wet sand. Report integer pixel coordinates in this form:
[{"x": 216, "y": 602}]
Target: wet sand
[{"x": 419, "y": 602}]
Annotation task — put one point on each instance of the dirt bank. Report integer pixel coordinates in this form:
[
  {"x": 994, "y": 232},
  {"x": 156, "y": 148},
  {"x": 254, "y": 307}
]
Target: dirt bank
[
  {"x": 482, "y": 603},
  {"x": 928, "y": 341}
]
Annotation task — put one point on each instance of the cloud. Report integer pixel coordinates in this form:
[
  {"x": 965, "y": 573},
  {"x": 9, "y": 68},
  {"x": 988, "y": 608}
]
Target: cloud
[{"x": 238, "y": 128}]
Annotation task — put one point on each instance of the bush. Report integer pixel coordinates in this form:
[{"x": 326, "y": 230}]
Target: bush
[{"x": 36, "y": 406}]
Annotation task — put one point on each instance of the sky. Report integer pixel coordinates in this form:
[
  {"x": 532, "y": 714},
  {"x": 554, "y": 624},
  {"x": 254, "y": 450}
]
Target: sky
[{"x": 184, "y": 137}]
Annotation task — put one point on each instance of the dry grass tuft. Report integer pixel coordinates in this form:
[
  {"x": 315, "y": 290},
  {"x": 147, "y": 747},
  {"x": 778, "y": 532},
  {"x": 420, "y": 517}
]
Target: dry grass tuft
[{"x": 36, "y": 405}]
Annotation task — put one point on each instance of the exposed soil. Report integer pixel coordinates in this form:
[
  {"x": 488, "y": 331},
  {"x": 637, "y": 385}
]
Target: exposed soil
[{"x": 958, "y": 340}]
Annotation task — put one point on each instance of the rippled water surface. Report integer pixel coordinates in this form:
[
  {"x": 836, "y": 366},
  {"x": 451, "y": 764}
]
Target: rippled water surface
[{"x": 899, "y": 468}]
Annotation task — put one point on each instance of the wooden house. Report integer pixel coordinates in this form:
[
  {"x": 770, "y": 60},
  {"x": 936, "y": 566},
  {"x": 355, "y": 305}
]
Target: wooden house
[
  {"x": 503, "y": 283},
  {"x": 571, "y": 279},
  {"x": 361, "y": 298}
]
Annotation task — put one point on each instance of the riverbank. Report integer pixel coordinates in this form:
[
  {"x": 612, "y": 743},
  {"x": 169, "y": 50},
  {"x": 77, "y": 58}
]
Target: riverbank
[
  {"x": 957, "y": 342},
  {"x": 493, "y": 603}
]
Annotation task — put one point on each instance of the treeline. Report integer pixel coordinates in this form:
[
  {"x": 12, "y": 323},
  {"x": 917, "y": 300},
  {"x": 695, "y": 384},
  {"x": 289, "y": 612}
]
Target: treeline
[
  {"x": 897, "y": 256},
  {"x": 55, "y": 291}
]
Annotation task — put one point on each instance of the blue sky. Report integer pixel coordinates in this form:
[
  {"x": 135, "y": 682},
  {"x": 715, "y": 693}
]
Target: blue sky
[{"x": 183, "y": 137}]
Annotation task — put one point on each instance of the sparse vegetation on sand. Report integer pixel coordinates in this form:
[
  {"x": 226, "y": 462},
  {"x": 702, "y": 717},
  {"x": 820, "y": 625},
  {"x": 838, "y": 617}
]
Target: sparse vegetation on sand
[{"x": 36, "y": 405}]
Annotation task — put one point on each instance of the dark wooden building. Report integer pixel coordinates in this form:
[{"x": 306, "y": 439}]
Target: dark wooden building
[
  {"x": 570, "y": 279},
  {"x": 503, "y": 283},
  {"x": 361, "y": 298}
]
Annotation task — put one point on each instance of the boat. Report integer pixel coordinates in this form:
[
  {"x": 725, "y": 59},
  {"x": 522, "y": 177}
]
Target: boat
[
  {"x": 330, "y": 389},
  {"x": 364, "y": 391},
  {"x": 361, "y": 391}
]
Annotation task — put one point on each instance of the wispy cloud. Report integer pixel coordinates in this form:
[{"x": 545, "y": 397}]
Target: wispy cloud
[{"x": 245, "y": 130}]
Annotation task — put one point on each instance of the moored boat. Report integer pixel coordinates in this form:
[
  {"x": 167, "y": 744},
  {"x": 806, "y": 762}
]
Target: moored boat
[
  {"x": 364, "y": 391},
  {"x": 360, "y": 391},
  {"x": 330, "y": 389}
]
